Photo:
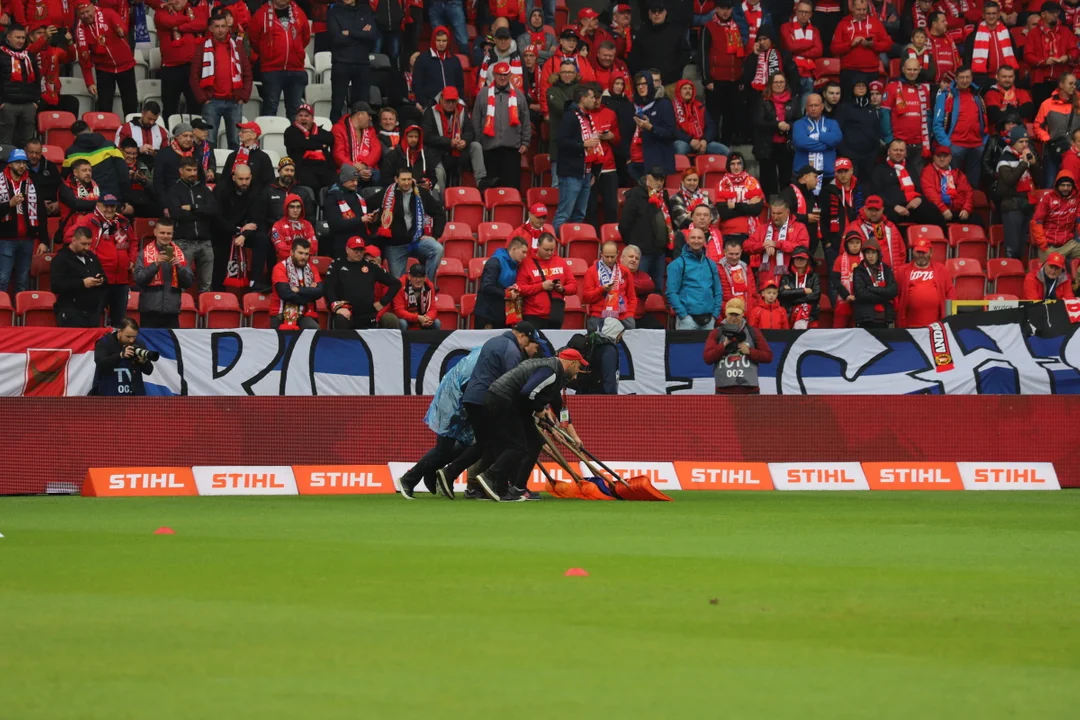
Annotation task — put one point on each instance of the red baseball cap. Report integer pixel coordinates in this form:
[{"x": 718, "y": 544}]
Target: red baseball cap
[
  {"x": 372, "y": 251},
  {"x": 874, "y": 202},
  {"x": 587, "y": 13},
  {"x": 942, "y": 150},
  {"x": 502, "y": 68},
  {"x": 621, "y": 8},
  {"x": 922, "y": 245},
  {"x": 250, "y": 126},
  {"x": 768, "y": 281},
  {"x": 842, "y": 163},
  {"x": 450, "y": 93},
  {"x": 572, "y": 354},
  {"x": 1055, "y": 259},
  {"x": 306, "y": 108},
  {"x": 539, "y": 210},
  {"x": 355, "y": 243}
]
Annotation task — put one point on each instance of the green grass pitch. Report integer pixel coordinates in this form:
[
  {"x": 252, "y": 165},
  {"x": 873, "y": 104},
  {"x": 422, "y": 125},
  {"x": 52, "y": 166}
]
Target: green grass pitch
[{"x": 827, "y": 605}]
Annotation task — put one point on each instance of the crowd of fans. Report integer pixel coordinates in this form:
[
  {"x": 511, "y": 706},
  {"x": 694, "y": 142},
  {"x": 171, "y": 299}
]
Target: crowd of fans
[{"x": 838, "y": 126}]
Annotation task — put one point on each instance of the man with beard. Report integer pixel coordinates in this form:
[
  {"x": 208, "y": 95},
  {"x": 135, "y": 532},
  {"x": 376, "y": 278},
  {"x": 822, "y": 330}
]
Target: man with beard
[
  {"x": 310, "y": 146},
  {"x": 78, "y": 196},
  {"x": 409, "y": 221},
  {"x": 270, "y": 202},
  {"x": 22, "y": 220},
  {"x": 194, "y": 208},
  {"x": 873, "y": 225},
  {"x": 78, "y": 280},
  {"x": 297, "y": 288},
  {"x": 923, "y": 286},
  {"x": 236, "y": 225},
  {"x": 167, "y": 162}
]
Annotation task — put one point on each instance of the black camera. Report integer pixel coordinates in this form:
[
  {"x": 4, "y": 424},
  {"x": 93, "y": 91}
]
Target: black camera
[
  {"x": 146, "y": 355},
  {"x": 733, "y": 332}
]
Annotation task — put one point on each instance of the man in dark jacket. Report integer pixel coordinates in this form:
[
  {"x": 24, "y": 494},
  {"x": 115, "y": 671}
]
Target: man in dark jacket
[
  {"x": 437, "y": 69},
  {"x": 351, "y": 27},
  {"x": 579, "y": 156},
  {"x": 167, "y": 161},
  {"x": 347, "y": 213},
  {"x": 1015, "y": 170},
  {"x": 558, "y": 97},
  {"x": 904, "y": 202},
  {"x": 309, "y": 147},
  {"x": 510, "y": 403},
  {"x": 251, "y": 154},
  {"x": 350, "y": 288},
  {"x": 162, "y": 273},
  {"x": 643, "y": 223},
  {"x": 110, "y": 170},
  {"x": 874, "y": 288},
  {"x": 660, "y": 44},
  {"x": 193, "y": 206},
  {"x": 409, "y": 223},
  {"x": 45, "y": 174},
  {"x": 20, "y": 89},
  {"x": 448, "y": 132},
  {"x": 235, "y": 225},
  {"x": 861, "y": 130},
  {"x": 78, "y": 281},
  {"x": 803, "y": 202},
  {"x": 118, "y": 368}
]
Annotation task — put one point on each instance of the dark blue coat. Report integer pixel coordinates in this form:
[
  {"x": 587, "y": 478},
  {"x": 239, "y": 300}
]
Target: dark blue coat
[
  {"x": 498, "y": 356},
  {"x": 431, "y": 75}
]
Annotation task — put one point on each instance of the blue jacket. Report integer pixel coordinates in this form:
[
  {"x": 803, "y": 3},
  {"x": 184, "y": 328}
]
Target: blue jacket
[
  {"x": 657, "y": 145},
  {"x": 431, "y": 75},
  {"x": 491, "y": 296},
  {"x": 829, "y": 138},
  {"x": 445, "y": 415},
  {"x": 693, "y": 285},
  {"x": 498, "y": 356},
  {"x": 943, "y": 135}
]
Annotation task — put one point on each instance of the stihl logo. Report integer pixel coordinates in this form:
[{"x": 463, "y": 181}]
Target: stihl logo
[
  {"x": 816, "y": 476},
  {"x": 1023, "y": 476},
  {"x": 916, "y": 476},
  {"x": 723, "y": 476},
  {"x": 344, "y": 480},
  {"x": 145, "y": 481},
  {"x": 245, "y": 481}
]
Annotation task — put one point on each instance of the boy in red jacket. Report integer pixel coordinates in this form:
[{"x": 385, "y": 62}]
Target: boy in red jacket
[
  {"x": 102, "y": 45},
  {"x": 769, "y": 314}
]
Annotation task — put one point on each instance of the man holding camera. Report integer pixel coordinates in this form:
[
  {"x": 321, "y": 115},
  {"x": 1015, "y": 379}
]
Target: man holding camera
[
  {"x": 736, "y": 349},
  {"x": 121, "y": 361},
  {"x": 162, "y": 274},
  {"x": 79, "y": 283}
]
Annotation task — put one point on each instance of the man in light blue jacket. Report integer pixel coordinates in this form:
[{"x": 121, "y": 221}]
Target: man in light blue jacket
[
  {"x": 815, "y": 139},
  {"x": 693, "y": 286}
]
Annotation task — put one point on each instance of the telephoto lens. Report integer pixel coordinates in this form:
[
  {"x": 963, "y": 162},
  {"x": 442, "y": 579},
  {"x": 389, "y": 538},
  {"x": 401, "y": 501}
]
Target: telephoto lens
[{"x": 144, "y": 354}]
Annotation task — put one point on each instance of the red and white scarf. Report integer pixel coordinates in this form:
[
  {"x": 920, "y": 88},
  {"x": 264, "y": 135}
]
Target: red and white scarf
[
  {"x": 87, "y": 35},
  {"x": 732, "y": 36},
  {"x": 715, "y": 245},
  {"x": 806, "y": 65},
  {"x": 243, "y": 154},
  {"x": 359, "y": 148},
  {"x": 656, "y": 197},
  {"x": 614, "y": 303},
  {"x": 301, "y": 278},
  {"x": 418, "y": 300},
  {"x": 453, "y": 129},
  {"x": 593, "y": 155},
  {"x": 310, "y": 154},
  {"x": 742, "y": 185},
  {"x": 755, "y": 16},
  {"x": 845, "y": 202},
  {"x": 22, "y": 67},
  {"x": 422, "y": 222},
  {"x": 10, "y": 187},
  {"x": 781, "y": 238},
  {"x": 848, "y": 262},
  {"x": 768, "y": 64},
  {"x": 801, "y": 312},
  {"x": 923, "y": 92},
  {"x": 154, "y": 136},
  {"x": 980, "y": 56},
  {"x": 690, "y": 117},
  {"x": 737, "y": 279},
  {"x": 209, "y": 70},
  {"x": 489, "y": 114},
  {"x": 152, "y": 254},
  {"x": 85, "y": 192},
  {"x": 906, "y": 184},
  {"x": 116, "y": 230},
  {"x": 346, "y": 210},
  {"x": 180, "y": 151}
]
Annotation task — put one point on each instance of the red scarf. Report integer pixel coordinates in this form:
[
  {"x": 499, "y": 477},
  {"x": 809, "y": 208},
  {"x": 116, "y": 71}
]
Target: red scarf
[
  {"x": 243, "y": 154},
  {"x": 732, "y": 36},
  {"x": 690, "y": 116},
  {"x": 87, "y": 35},
  {"x": 26, "y": 211},
  {"x": 115, "y": 230},
  {"x": 346, "y": 210},
  {"x": 742, "y": 186},
  {"x": 209, "y": 71},
  {"x": 310, "y": 154},
  {"x": 878, "y": 278},
  {"x": 489, "y": 114},
  {"x": 179, "y": 151},
  {"x": 842, "y": 204},
  {"x": 801, "y": 312},
  {"x": 359, "y": 150},
  {"x": 593, "y": 155},
  {"x": 716, "y": 244},
  {"x": 22, "y": 67},
  {"x": 453, "y": 129},
  {"x": 906, "y": 184},
  {"x": 656, "y": 197},
  {"x": 1002, "y": 41},
  {"x": 737, "y": 279},
  {"x": 768, "y": 64},
  {"x": 847, "y": 263},
  {"x": 151, "y": 255}
]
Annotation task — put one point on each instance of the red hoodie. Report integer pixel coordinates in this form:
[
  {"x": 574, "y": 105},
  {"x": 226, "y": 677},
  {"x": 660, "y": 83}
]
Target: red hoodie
[
  {"x": 275, "y": 46},
  {"x": 114, "y": 244},
  {"x": 285, "y": 231},
  {"x": 1054, "y": 223},
  {"x": 530, "y": 280},
  {"x": 888, "y": 236},
  {"x": 349, "y": 147},
  {"x": 180, "y": 33},
  {"x": 861, "y": 58},
  {"x": 112, "y": 56}
]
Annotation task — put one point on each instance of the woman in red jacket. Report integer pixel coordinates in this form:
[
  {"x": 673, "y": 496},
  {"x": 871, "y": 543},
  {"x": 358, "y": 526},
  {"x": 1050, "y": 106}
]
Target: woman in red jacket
[
  {"x": 114, "y": 243},
  {"x": 102, "y": 46}
]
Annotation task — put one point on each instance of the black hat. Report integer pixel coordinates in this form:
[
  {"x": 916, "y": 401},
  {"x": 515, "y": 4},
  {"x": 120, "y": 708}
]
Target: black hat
[
  {"x": 503, "y": 34},
  {"x": 527, "y": 329},
  {"x": 417, "y": 271},
  {"x": 806, "y": 170},
  {"x": 1051, "y": 7},
  {"x": 198, "y": 123}
]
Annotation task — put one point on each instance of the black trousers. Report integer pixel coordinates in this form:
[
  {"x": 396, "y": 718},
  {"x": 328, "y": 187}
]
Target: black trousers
[
  {"x": 175, "y": 81},
  {"x": 483, "y": 450},
  {"x": 65, "y": 103},
  {"x": 160, "y": 320},
  {"x": 721, "y": 106},
  {"x": 115, "y": 298},
  {"x": 107, "y": 84},
  {"x": 446, "y": 450},
  {"x": 349, "y": 82},
  {"x": 72, "y": 318},
  {"x": 518, "y": 441},
  {"x": 605, "y": 194},
  {"x": 775, "y": 171},
  {"x": 541, "y": 323},
  {"x": 505, "y": 164},
  {"x": 926, "y": 214}
]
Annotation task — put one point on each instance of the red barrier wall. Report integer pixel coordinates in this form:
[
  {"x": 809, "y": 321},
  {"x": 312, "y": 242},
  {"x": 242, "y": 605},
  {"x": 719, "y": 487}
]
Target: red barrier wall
[{"x": 56, "y": 439}]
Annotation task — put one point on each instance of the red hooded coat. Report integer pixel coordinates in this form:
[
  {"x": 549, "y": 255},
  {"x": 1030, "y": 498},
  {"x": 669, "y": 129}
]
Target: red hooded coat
[{"x": 285, "y": 231}]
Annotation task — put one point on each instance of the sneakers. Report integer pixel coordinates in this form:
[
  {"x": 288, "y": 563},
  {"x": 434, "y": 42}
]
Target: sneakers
[
  {"x": 530, "y": 495},
  {"x": 475, "y": 494},
  {"x": 488, "y": 486},
  {"x": 406, "y": 486},
  {"x": 514, "y": 494},
  {"x": 431, "y": 485},
  {"x": 446, "y": 484}
]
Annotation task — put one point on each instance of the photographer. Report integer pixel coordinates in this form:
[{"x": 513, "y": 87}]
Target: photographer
[
  {"x": 737, "y": 355},
  {"x": 79, "y": 283},
  {"x": 120, "y": 362}
]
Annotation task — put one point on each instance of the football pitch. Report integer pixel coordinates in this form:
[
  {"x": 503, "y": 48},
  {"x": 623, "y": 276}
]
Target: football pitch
[{"x": 739, "y": 605}]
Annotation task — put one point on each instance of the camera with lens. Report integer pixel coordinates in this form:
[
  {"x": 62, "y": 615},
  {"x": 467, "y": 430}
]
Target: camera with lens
[
  {"x": 145, "y": 355},
  {"x": 733, "y": 333}
]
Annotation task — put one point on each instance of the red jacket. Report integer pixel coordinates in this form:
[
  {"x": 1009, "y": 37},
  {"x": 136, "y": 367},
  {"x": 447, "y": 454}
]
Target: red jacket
[
  {"x": 724, "y": 51},
  {"x": 222, "y": 88},
  {"x": 960, "y": 197},
  {"x": 275, "y": 47},
  {"x": 281, "y": 275},
  {"x": 605, "y": 76},
  {"x": 863, "y": 59},
  {"x": 181, "y": 33},
  {"x": 114, "y": 56},
  {"x": 530, "y": 281},
  {"x": 769, "y": 316},
  {"x": 595, "y": 294},
  {"x": 997, "y": 104},
  {"x": 284, "y": 231},
  {"x": 1070, "y": 162},
  {"x": 893, "y": 248},
  {"x": 343, "y": 147},
  {"x": 755, "y": 245},
  {"x": 51, "y": 12},
  {"x": 1054, "y": 223},
  {"x": 728, "y": 276},
  {"x": 400, "y": 306},
  {"x": 761, "y": 353},
  {"x": 1043, "y": 43},
  {"x": 599, "y": 35},
  {"x": 1035, "y": 288},
  {"x": 603, "y": 118},
  {"x": 946, "y": 56},
  {"x": 804, "y": 45},
  {"x": 117, "y": 249},
  {"x": 942, "y": 279}
]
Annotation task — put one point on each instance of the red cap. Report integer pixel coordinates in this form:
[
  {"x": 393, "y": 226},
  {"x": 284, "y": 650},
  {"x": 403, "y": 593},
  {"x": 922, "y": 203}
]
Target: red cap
[
  {"x": 877, "y": 85},
  {"x": 531, "y": 49},
  {"x": 922, "y": 245},
  {"x": 1055, "y": 259},
  {"x": 306, "y": 108},
  {"x": 942, "y": 150},
  {"x": 874, "y": 202},
  {"x": 572, "y": 354},
  {"x": 502, "y": 68},
  {"x": 621, "y": 7},
  {"x": 842, "y": 163},
  {"x": 769, "y": 281},
  {"x": 355, "y": 243},
  {"x": 250, "y": 126},
  {"x": 450, "y": 93},
  {"x": 372, "y": 251},
  {"x": 587, "y": 13},
  {"x": 539, "y": 210}
]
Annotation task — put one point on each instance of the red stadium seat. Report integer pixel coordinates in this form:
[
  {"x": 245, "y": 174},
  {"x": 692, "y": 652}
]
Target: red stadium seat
[
  {"x": 682, "y": 162},
  {"x": 7, "y": 312},
  {"x": 968, "y": 278},
  {"x": 547, "y": 195},
  {"x": 655, "y": 306},
  {"x": 144, "y": 227},
  {"x": 189, "y": 316},
  {"x": 35, "y": 308},
  {"x": 104, "y": 124},
  {"x": 1001, "y": 296},
  {"x": 1034, "y": 265},
  {"x": 220, "y": 310},
  {"x": 623, "y": 192},
  {"x": 321, "y": 263},
  {"x": 504, "y": 204},
  {"x": 577, "y": 266},
  {"x": 463, "y": 204},
  {"x": 457, "y": 240},
  {"x": 446, "y": 312},
  {"x": 574, "y": 316},
  {"x": 997, "y": 237},
  {"x": 610, "y": 233},
  {"x": 939, "y": 247},
  {"x": 257, "y": 310},
  {"x": 580, "y": 241},
  {"x": 711, "y": 168},
  {"x": 541, "y": 170},
  {"x": 1006, "y": 275},
  {"x": 451, "y": 278},
  {"x": 491, "y": 236},
  {"x": 40, "y": 267},
  {"x": 476, "y": 270},
  {"x": 53, "y": 153},
  {"x": 55, "y": 127},
  {"x": 133, "y": 306},
  {"x": 468, "y": 309},
  {"x": 826, "y": 69},
  {"x": 825, "y": 312},
  {"x": 673, "y": 182},
  {"x": 894, "y": 68},
  {"x": 969, "y": 241}
]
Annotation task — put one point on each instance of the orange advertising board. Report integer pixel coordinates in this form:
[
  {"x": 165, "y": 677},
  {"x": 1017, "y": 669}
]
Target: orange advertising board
[
  {"x": 139, "y": 482},
  {"x": 723, "y": 476},
  {"x": 343, "y": 479},
  {"x": 913, "y": 476}
]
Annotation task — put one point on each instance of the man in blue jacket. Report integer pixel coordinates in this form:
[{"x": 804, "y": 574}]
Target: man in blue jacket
[
  {"x": 498, "y": 356},
  {"x": 815, "y": 139},
  {"x": 693, "y": 286},
  {"x": 436, "y": 69}
]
